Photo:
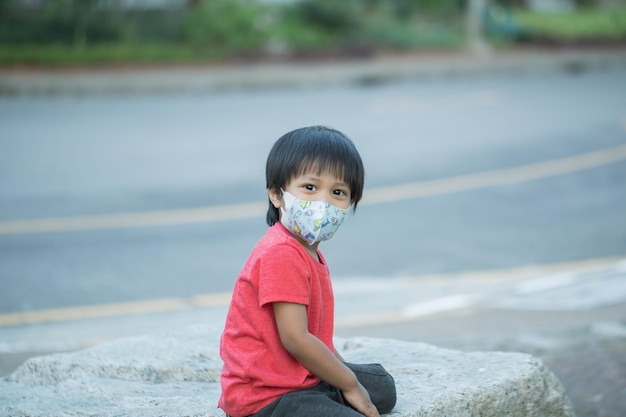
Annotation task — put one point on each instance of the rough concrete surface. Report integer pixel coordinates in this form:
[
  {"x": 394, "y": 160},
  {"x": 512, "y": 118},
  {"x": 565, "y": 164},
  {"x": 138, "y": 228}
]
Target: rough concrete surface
[{"x": 177, "y": 374}]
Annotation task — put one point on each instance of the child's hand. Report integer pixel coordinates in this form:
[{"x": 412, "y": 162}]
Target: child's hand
[{"x": 360, "y": 399}]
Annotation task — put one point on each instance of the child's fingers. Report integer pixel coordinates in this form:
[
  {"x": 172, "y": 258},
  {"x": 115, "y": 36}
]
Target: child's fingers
[{"x": 360, "y": 400}]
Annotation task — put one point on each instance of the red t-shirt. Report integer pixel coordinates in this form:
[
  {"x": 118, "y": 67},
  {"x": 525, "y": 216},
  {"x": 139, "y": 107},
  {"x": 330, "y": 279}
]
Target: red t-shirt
[{"x": 257, "y": 368}]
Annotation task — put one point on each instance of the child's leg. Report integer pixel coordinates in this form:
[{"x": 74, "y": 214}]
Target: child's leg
[
  {"x": 325, "y": 400},
  {"x": 321, "y": 400},
  {"x": 378, "y": 383}
]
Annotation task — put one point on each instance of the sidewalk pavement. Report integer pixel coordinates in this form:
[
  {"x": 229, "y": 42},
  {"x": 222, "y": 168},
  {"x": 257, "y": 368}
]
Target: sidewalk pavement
[
  {"x": 574, "y": 320},
  {"x": 304, "y": 73}
]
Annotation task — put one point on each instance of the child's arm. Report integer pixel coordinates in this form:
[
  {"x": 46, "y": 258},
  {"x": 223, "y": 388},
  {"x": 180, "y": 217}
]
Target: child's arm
[
  {"x": 338, "y": 355},
  {"x": 291, "y": 320}
]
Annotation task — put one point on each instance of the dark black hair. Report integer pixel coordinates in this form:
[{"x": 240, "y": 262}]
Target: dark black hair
[{"x": 314, "y": 147}]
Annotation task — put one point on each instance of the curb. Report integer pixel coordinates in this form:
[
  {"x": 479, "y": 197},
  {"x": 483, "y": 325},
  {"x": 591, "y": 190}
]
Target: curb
[{"x": 377, "y": 70}]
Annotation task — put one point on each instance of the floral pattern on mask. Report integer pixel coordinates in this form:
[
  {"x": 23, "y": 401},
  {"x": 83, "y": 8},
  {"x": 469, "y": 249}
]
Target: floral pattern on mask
[{"x": 314, "y": 221}]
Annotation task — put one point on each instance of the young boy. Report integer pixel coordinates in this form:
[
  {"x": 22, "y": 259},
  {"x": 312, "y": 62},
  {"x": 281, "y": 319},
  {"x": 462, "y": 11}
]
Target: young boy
[{"x": 277, "y": 344}]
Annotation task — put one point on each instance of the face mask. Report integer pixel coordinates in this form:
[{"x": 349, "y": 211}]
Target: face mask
[{"x": 314, "y": 221}]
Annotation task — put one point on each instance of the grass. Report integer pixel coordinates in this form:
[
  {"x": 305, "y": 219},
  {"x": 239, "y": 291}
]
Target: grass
[
  {"x": 115, "y": 53},
  {"x": 574, "y": 26}
]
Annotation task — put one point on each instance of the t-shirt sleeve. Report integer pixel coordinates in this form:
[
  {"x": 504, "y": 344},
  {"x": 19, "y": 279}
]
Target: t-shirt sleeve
[{"x": 284, "y": 277}]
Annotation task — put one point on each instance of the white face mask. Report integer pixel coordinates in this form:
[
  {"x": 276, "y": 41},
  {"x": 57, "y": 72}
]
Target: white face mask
[{"x": 314, "y": 221}]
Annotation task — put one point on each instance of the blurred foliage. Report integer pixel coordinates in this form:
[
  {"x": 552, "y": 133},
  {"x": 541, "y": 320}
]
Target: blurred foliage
[
  {"x": 225, "y": 27},
  {"x": 55, "y": 21},
  {"x": 95, "y": 31},
  {"x": 102, "y": 53},
  {"x": 581, "y": 25},
  {"x": 80, "y": 22},
  {"x": 353, "y": 25}
]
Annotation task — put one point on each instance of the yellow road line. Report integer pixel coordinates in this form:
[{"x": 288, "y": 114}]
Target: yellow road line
[
  {"x": 373, "y": 196},
  {"x": 497, "y": 177},
  {"x": 160, "y": 305},
  {"x": 137, "y": 219}
]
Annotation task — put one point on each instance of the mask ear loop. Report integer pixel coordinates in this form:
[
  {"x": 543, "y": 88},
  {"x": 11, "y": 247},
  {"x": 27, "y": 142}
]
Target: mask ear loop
[{"x": 283, "y": 207}]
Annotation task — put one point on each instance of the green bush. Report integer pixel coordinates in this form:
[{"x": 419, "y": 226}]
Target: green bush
[
  {"x": 315, "y": 25},
  {"x": 88, "y": 31},
  {"x": 336, "y": 17},
  {"x": 59, "y": 21},
  {"x": 152, "y": 25},
  {"x": 373, "y": 24},
  {"x": 388, "y": 33},
  {"x": 294, "y": 36},
  {"x": 575, "y": 26},
  {"x": 225, "y": 27}
]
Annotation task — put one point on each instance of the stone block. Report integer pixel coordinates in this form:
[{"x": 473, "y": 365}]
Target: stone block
[{"x": 177, "y": 374}]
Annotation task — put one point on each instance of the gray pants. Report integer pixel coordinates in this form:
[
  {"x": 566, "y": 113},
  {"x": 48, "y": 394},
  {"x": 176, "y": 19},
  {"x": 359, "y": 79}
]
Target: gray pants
[{"x": 326, "y": 400}]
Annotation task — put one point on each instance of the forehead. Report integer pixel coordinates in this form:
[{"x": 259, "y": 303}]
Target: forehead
[
  {"x": 325, "y": 176},
  {"x": 334, "y": 170}
]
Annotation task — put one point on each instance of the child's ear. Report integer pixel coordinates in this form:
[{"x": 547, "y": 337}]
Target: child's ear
[{"x": 276, "y": 197}]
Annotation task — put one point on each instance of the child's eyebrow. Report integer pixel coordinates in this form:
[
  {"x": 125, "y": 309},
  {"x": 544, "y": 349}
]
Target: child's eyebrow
[
  {"x": 316, "y": 178},
  {"x": 308, "y": 178}
]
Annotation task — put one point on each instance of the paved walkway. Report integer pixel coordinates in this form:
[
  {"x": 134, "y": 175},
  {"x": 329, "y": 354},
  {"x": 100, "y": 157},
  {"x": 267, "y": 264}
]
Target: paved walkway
[
  {"x": 571, "y": 316},
  {"x": 301, "y": 74}
]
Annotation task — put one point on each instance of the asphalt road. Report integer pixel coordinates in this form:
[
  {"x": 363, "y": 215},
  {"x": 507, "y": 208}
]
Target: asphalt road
[
  {"x": 489, "y": 201},
  {"x": 93, "y": 156}
]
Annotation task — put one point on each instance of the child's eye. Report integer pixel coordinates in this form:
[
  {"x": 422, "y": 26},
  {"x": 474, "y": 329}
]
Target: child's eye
[
  {"x": 310, "y": 187},
  {"x": 340, "y": 193}
]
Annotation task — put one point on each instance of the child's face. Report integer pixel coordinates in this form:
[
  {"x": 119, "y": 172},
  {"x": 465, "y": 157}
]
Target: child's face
[{"x": 320, "y": 187}]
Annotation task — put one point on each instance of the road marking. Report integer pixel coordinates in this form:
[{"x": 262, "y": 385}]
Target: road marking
[
  {"x": 513, "y": 276},
  {"x": 439, "y": 305},
  {"x": 497, "y": 177},
  {"x": 394, "y": 193},
  {"x": 137, "y": 219},
  {"x": 160, "y": 305},
  {"x": 517, "y": 278}
]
